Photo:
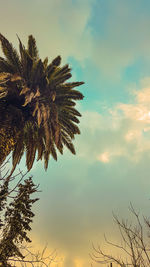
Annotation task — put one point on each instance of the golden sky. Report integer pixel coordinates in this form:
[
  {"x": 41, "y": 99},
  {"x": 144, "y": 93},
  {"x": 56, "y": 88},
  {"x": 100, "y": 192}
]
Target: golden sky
[{"x": 107, "y": 44}]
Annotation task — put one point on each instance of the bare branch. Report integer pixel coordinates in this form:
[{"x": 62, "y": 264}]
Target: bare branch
[{"x": 134, "y": 243}]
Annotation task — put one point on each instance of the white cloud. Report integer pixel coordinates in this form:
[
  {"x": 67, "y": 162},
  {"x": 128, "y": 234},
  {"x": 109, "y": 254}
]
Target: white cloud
[
  {"x": 122, "y": 131},
  {"x": 104, "y": 157}
]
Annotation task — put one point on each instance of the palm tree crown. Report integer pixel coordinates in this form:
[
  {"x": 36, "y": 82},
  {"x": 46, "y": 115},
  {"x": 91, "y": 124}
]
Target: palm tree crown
[{"x": 37, "y": 112}]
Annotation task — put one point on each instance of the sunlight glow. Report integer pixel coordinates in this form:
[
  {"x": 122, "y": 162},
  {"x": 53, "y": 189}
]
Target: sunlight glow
[
  {"x": 78, "y": 263},
  {"x": 132, "y": 135},
  {"x": 104, "y": 157}
]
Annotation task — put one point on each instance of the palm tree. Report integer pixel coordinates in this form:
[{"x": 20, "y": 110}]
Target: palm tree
[{"x": 37, "y": 112}]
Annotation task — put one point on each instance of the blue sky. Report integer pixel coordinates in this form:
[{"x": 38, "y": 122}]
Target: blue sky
[{"x": 107, "y": 44}]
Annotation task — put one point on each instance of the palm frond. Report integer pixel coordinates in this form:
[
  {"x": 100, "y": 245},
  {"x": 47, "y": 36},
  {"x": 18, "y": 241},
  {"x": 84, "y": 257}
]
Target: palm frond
[
  {"x": 26, "y": 62},
  {"x": 32, "y": 48},
  {"x": 67, "y": 142},
  {"x": 67, "y": 130},
  {"x": 56, "y": 61},
  {"x": 45, "y": 62},
  {"x": 52, "y": 67},
  {"x": 18, "y": 151},
  {"x": 71, "y": 94},
  {"x": 68, "y": 116},
  {"x": 40, "y": 146},
  {"x": 61, "y": 71},
  {"x": 64, "y": 103},
  {"x": 10, "y": 53},
  {"x": 37, "y": 74},
  {"x": 46, "y": 159},
  {"x": 72, "y": 111},
  {"x": 6, "y": 66},
  {"x": 61, "y": 79},
  {"x": 36, "y": 95}
]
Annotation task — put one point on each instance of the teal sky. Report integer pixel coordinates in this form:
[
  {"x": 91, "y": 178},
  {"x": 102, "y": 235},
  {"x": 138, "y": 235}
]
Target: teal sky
[{"x": 107, "y": 44}]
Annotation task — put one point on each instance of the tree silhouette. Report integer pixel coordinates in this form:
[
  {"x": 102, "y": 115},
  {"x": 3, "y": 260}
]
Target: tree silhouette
[
  {"x": 37, "y": 105},
  {"x": 134, "y": 248},
  {"x": 15, "y": 215}
]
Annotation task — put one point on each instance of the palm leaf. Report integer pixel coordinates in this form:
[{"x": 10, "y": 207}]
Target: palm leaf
[
  {"x": 46, "y": 159},
  {"x": 40, "y": 147},
  {"x": 18, "y": 151},
  {"x": 32, "y": 48},
  {"x": 41, "y": 100},
  {"x": 62, "y": 79},
  {"x": 10, "y": 54},
  {"x": 26, "y": 61},
  {"x": 72, "y": 111},
  {"x": 61, "y": 71},
  {"x": 67, "y": 142},
  {"x": 56, "y": 61},
  {"x": 71, "y": 94},
  {"x": 69, "y": 116},
  {"x": 69, "y": 85},
  {"x": 37, "y": 74},
  {"x": 45, "y": 62},
  {"x": 6, "y": 66}
]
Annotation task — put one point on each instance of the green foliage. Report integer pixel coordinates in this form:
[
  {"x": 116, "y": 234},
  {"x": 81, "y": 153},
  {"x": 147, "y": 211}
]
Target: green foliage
[
  {"x": 38, "y": 92},
  {"x": 15, "y": 218}
]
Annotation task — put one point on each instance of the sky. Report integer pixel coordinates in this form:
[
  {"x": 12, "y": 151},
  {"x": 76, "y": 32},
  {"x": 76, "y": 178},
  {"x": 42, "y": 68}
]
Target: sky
[{"x": 107, "y": 45}]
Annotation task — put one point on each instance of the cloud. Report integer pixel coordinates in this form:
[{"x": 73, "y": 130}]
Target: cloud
[
  {"x": 123, "y": 130},
  {"x": 68, "y": 28},
  {"x": 75, "y": 207},
  {"x": 60, "y": 27},
  {"x": 104, "y": 157},
  {"x": 111, "y": 168},
  {"x": 80, "y": 193},
  {"x": 123, "y": 37}
]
